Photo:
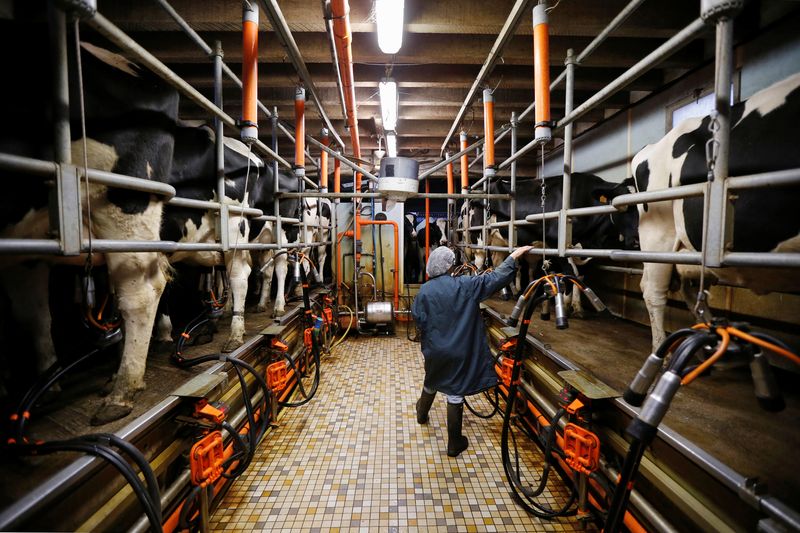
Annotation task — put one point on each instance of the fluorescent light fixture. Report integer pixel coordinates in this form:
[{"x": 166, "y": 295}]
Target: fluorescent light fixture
[
  {"x": 391, "y": 144},
  {"x": 388, "y": 92},
  {"x": 389, "y": 16}
]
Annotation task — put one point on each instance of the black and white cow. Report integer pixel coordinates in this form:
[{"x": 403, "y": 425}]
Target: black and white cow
[
  {"x": 411, "y": 267},
  {"x": 130, "y": 118},
  {"x": 437, "y": 234},
  {"x": 596, "y": 231},
  {"x": 763, "y": 138},
  {"x": 194, "y": 176}
]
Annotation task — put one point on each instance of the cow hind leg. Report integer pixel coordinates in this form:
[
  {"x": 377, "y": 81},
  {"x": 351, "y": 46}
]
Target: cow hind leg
[
  {"x": 281, "y": 269},
  {"x": 238, "y": 265},
  {"x": 266, "y": 281},
  {"x": 655, "y": 284},
  {"x": 139, "y": 280}
]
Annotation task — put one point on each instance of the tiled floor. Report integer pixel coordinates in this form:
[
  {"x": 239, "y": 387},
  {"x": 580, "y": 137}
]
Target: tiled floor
[{"x": 356, "y": 459}]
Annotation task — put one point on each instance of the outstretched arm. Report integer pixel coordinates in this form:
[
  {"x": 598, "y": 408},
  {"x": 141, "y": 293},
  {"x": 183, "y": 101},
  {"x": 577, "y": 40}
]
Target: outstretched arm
[{"x": 487, "y": 284}]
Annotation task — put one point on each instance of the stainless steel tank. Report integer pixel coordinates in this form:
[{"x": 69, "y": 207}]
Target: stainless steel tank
[{"x": 379, "y": 313}]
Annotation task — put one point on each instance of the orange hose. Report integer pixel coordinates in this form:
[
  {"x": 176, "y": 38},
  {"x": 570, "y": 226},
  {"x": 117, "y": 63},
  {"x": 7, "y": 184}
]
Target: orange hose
[
  {"x": 721, "y": 349},
  {"x": 541, "y": 70},
  {"x": 764, "y": 344},
  {"x": 464, "y": 163},
  {"x": 450, "y": 185},
  {"x": 300, "y": 128},
  {"x": 249, "y": 71},
  {"x": 323, "y": 164},
  {"x": 337, "y": 175},
  {"x": 488, "y": 128}
]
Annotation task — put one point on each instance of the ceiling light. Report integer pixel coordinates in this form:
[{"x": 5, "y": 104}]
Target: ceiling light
[
  {"x": 389, "y": 16},
  {"x": 388, "y": 91},
  {"x": 391, "y": 144}
]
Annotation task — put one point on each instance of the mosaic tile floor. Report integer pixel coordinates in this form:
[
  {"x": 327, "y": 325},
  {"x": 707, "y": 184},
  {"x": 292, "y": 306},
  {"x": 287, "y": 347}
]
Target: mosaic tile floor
[{"x": 355, "y": 459}]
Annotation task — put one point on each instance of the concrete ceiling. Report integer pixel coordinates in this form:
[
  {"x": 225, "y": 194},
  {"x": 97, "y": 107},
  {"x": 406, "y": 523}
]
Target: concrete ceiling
[{"x": 444, "y": 45}]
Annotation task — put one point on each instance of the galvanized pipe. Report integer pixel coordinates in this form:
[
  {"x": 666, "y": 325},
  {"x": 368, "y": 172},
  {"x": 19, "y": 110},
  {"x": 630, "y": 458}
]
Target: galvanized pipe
[
  {"x": 339, "y": 157},
  {"x": 677, "y": 42},
  {"x": 197, "y": 40},
  {"x": 719, "y": 222},
  {"x": 778, "y": 178},
  {"x": 215, "y": 206},
  {"x": 503, "y": 37},
  {"x": 280, "y": 27},
  {"x": 564, "y": 223},
  {"x": 447, "y": 160},
  {"x": 122, "y": 40},
  {"x": 219, "y": 150}
]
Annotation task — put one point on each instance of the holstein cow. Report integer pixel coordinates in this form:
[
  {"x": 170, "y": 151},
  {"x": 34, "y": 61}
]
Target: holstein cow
[
  {"x": 194, "y": 176},
  {"x": 130, "y": 117},
  {"x": 411, "y": 265},
  {"x": 763, "y": 139},
  {"x": 596, "y": 231},
  {"x": 438, "y": 237}
]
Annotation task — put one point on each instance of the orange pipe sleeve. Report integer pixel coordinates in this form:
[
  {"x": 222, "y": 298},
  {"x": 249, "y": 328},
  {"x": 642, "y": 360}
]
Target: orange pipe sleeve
[
  {"x": 323, "y": 161},
  {"x": 396, "y": 254},
  {"x": 337, "y": 175},
  {"x": 249, "y": 71},
  {"x": 450, "y": 185},
  {"x": 343, "y": 37},
  {"x": 488, "y": 128},
  {"x": 464, "y": 163},
  {"x": 427, "y": 225},
  {"x": 541, "y": 64},
  {"x": 300, "y": 128}
]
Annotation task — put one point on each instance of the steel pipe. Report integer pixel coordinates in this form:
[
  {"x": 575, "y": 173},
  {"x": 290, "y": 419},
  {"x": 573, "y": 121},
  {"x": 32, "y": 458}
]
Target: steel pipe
[
  {"x": 780, "y": 178},
  {"x": 770, "y": 259},
  {"x": 503, "y": 37},
  {"x": 215, "y": 206},
  {"x": 339, "y": 157},
  {"x": 30, "y": 246},
  {"x": 280, "y": 26},
  {"x": 122, "y": 40},
  {"x": 447, "y": 160},
  {"x": 673, "y": 193},
  {"x": 197, "y": 40},
  {"x": 219, "y": 149},
  {"x": 677, "y": 42}
]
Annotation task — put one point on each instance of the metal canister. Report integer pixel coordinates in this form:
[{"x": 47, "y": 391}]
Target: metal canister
[{"x": 379, "y": 312}]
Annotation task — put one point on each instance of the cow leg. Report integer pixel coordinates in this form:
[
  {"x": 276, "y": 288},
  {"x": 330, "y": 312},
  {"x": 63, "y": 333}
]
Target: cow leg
[
  {"x": 163, "y": 331},
  {"x": 28, "y": 291},
  {"x": 576, "y": 304},
  {"x": 281, "y": 269},
  {"x": 238, "y": 265},
  {"x": 654, "y": 285},
  {"x": 322, "y": 256},
  {"x": 266, "y": 280},
  {"x": 139, "y": 280}
]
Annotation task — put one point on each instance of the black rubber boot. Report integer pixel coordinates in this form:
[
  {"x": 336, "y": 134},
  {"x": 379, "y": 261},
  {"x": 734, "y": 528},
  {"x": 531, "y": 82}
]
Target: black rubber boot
[
  {"x": 456, "y": 442},
  {"x": 423, "y": 406}
]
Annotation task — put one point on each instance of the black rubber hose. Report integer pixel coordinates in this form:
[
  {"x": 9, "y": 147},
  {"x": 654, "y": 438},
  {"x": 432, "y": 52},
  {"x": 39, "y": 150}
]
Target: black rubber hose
[
  {"x": 529, "y": 504},
  {"x": 314, "y": 350},
  {"x": 494, "y": 406},
  {"x": 137, "y": 457},
  {"x": 151, "y": 508},
  {"x": 184, "y": 520},
  {"x": 688, "y": 348},
  {"x": 35, "y": 392}
]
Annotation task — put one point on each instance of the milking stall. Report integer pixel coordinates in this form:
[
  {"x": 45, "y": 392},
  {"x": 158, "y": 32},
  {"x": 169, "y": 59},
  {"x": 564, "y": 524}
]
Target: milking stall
[{"x": 396, "y": 265}]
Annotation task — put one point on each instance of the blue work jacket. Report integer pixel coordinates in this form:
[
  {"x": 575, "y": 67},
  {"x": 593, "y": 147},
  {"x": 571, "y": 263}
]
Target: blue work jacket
[{"x": 447, "y": 312}]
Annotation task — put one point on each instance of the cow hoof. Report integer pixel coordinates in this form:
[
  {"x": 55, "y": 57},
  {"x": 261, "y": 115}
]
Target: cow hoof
[
  {"x": 277, "y": 313},
  {"x": 231, "y": 345},
  {"x": 261, "y": 308},
  {"x": 109, "y": 413},
  {"x": 578, "y": 314}
]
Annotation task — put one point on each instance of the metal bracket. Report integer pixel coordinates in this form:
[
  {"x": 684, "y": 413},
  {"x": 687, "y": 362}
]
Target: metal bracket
[{"x": 65, "y": 209}]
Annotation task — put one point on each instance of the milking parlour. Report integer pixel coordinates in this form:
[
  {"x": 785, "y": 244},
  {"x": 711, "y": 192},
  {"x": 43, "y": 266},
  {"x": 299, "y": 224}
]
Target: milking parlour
[{"x": 389, "y": 265}]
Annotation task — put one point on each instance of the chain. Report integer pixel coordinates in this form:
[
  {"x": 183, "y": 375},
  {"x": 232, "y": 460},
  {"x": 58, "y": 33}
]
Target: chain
[
  {"x": 545, "y": 262},
  {"x": 701, "y": 307}
]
